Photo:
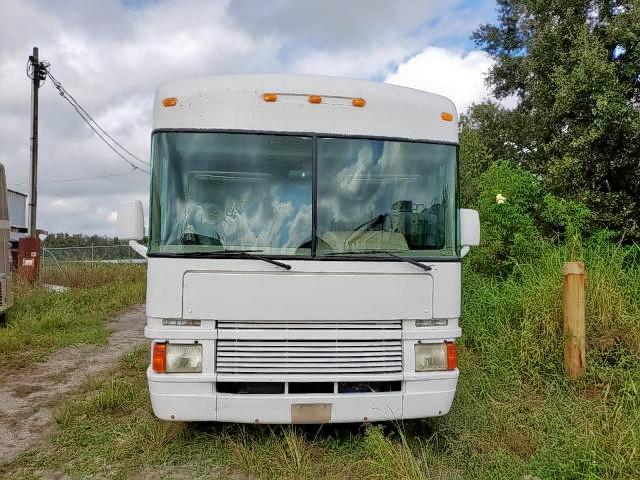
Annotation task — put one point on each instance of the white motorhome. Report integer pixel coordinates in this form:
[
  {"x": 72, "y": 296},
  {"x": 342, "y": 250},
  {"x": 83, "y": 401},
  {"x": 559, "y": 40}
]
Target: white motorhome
[
  {"x": 304, "y": 252},
  {"x": 6, "y": 293}
]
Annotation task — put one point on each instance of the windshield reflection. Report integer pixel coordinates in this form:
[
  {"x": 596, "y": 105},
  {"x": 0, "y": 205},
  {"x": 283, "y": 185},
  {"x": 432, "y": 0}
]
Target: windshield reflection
[
  {"x": 217, "y": 192},
  {"x": 385, "y": 195},
  {"x": 232, "y": 191}
]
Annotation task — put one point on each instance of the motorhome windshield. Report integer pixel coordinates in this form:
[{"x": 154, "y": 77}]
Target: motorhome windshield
[{"x": 216, "y": 192}]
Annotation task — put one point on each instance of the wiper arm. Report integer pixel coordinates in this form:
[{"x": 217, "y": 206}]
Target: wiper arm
[
  {"x": 426, "y": 268},
  {"x": 240, "y": 253},
  {"x": 251, "y": 254}
]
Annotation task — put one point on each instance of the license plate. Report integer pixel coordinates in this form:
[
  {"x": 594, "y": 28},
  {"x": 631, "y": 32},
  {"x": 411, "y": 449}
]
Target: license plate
[{"x": 311, "y": 412}]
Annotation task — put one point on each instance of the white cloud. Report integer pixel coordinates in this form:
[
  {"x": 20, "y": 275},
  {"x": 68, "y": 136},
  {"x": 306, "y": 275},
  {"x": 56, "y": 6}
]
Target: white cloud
[
  {"x": 363, "y": 63},
  {"x": 448, "y": 72},
  {"x": 112, "y": 58}
]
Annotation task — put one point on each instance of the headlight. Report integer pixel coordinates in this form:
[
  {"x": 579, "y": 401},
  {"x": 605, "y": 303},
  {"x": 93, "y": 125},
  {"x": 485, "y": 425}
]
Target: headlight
[
  {"x": 435, "y": 356},
  {"x": 184, "y": 358},
  {"x": 177, "y": 358}
]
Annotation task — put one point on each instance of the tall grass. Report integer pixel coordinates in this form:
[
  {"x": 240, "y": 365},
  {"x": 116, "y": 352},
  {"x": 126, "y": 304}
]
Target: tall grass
[
  {"x": 515, "y": 415},
  {"x": 91, "y": 275},
  {"x": 513, "y": 396},
  {"x": 612, "y": 308},
  {"x": 42, "y": 321}
]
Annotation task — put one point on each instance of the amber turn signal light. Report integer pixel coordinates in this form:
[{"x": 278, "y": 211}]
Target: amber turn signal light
[
  {"x": 170, "y": 101},
  {"x": 452, "y": 356},
  {"x": 159, "y": 358}
]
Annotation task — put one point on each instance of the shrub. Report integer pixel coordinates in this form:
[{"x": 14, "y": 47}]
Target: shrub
[
  {"x": 508, "y": 227},
  {"x": 517, "y": 217}
]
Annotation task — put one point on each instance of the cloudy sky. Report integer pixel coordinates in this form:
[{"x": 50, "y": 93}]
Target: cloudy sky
[{"x": 112, "y": 54}]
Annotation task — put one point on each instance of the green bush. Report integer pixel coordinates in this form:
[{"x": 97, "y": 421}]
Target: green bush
[
  {"x": 517, "y": 218},
  {"x": 509, "y": 200},
  {"x": 565, "y": 217}
]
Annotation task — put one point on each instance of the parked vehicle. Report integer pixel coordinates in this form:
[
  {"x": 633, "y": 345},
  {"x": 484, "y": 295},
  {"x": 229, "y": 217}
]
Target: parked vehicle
[
  {"x": 6, "y": 296},
  {"x": 305, "y": 244}
]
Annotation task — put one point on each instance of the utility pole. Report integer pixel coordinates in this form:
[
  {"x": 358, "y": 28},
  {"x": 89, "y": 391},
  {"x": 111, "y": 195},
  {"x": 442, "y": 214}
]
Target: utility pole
[
  {"x": 35, "y": 86},
  {"x": 29, "y": 247}
]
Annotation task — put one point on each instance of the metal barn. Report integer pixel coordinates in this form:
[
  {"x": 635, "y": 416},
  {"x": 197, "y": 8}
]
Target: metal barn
[{"x": 17, "y": 214}]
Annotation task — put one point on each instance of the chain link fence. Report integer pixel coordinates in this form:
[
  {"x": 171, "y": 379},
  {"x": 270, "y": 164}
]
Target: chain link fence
[{"x": 56, "y": 256}]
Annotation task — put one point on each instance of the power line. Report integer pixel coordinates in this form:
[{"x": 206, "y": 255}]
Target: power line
[
  {"x": 133, "y": 165},
  {"x": 95, "y": 126},
  {"x": 61, "y": 89},
  {"x": 83, "y": 178}
]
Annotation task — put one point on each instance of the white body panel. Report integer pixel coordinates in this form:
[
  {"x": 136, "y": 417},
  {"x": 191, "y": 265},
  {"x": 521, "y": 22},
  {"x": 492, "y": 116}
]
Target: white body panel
[
  {"x": 247, "y": 291},
  {"x": 354, "y": 322},
  {"x": 429, "y": 396},
  {"x": 341, "y": 295},
  {"x": 166, "y": 278},
  {"x": 235, "y": 102}
]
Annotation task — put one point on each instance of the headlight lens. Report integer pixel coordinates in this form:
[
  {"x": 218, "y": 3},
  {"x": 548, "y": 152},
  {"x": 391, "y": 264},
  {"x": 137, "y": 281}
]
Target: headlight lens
[
  {"x": 184, "y": 358},
  {"x": 431, "y": 356}
]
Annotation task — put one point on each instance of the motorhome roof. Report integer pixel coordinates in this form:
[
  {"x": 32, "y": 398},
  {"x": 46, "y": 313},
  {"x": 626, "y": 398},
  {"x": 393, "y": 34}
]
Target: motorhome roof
[{"x": 236, "y": 102}]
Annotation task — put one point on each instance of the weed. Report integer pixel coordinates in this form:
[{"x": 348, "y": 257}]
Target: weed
[
  {"x": 42, "y": 321},
  {"x": 515, "y": 415}
]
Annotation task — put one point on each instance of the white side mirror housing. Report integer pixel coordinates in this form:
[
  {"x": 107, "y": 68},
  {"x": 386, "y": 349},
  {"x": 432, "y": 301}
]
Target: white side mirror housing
[
  {"x": 469, "y": 230},
  {"x": 131, "y": 221}
]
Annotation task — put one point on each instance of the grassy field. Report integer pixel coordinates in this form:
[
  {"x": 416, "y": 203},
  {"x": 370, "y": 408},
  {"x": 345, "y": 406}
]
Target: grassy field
[
  {"x": 42, "y": 321},
  {"x": 515, "y": 414}
]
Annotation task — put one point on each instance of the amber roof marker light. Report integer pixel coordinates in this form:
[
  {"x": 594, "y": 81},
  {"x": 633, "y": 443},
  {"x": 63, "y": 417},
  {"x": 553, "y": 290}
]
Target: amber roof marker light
[
  {"x": 446, "y": 116},
  {"x": 170, "y": 101},
  {"x": 270, "y": 97},
  {"x": 315, "y": 99},
  {"x": 358, "y": 102}
]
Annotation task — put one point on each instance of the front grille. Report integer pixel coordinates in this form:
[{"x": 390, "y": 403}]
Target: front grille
[{"x": 314, "y": 354}]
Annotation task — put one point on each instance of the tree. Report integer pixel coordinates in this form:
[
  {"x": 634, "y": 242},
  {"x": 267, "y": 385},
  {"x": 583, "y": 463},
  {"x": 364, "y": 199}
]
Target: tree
[{"x": 574, "y": 66}]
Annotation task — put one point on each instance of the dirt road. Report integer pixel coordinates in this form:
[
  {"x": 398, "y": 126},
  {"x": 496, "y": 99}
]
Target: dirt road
[{"x": 27, "y": 395}]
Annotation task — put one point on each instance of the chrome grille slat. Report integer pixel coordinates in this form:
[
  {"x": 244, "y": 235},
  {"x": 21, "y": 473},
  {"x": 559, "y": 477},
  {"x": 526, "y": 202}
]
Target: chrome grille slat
[
  {"x": 313, "y": 362},
  {"x": 292, "y": 344},
  {"x": 232, "y": 325},
  {"x": 304, "y": 354},
  {"x": 316, "y": 355},
  {"x": 291, "y": 370}
]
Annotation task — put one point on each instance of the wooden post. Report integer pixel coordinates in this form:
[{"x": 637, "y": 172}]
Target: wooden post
[{"x": 574, "y": 332}]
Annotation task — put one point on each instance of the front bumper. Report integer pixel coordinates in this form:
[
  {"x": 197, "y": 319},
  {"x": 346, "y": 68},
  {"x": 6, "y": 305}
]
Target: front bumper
[{"x": 188, "y": 398}]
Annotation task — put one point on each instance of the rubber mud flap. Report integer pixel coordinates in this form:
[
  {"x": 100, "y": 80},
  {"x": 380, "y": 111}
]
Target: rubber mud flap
[{"x": 311, "y": 412}]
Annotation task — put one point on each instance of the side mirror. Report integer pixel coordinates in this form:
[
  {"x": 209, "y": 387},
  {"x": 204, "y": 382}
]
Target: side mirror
[
  {"x": 469, "y": 230},
  {"x": 131, "y": 221}
]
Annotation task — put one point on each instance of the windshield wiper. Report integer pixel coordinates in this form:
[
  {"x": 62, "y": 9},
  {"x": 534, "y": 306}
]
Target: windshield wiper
[
  {"x": 240, "y": 253},
  {"x": 252, "y": 254},
  {"x": 426, "y": 268}
]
